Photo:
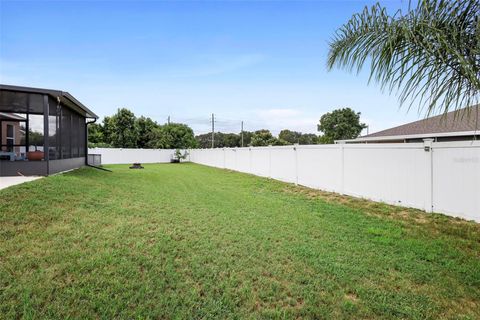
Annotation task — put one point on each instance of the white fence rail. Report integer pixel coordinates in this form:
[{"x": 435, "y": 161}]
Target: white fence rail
[{"x": 441, "y": 177}]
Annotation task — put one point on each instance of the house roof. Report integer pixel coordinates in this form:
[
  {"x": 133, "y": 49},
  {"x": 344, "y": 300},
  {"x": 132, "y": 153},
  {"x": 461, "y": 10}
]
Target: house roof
[
  {"x": 453, "y": 123},
  {"x": 64, "y": 97},
  {"x": 11, "y": 116}
]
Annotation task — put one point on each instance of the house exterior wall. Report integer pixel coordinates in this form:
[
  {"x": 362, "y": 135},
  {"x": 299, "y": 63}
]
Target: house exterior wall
[
  {"x": 26, "y": 168},
  {"x": 56, "y": 166},
  {"x": 39, "y": 168},
  {"x": 16, "y": 128}
]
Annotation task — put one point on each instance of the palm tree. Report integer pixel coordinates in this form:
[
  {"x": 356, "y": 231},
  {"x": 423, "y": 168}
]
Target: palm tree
[{"x": 430, "y": 55}]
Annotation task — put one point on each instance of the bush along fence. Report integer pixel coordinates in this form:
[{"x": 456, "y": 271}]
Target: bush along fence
[{"x": 441, "y": 177}]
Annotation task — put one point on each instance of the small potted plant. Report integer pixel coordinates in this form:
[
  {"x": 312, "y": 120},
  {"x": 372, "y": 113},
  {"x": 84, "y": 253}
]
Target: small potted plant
[{"x": 178, "y": 156}]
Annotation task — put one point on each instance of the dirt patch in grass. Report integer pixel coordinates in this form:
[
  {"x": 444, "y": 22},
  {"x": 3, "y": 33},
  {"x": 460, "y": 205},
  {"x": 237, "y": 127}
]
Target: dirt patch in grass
[{"x": 351, "y": 297}]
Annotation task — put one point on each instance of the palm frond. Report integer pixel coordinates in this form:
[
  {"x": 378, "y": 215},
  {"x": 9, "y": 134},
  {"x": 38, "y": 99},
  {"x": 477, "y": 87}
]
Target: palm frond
[{"x": 429, "y": 56}]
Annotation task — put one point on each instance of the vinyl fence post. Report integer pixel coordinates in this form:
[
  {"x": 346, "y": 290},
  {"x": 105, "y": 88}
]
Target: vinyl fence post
[
  {"x": 427, "y": 147},
  {"x": 342, "y": 168},
  {"x": 236, "y": 161},
  {"x": 249, "y": 160},
  {"x": 269, "y": 162},
  {"x": 296, "y": 164},
  {"x": 224, "y": 159}
]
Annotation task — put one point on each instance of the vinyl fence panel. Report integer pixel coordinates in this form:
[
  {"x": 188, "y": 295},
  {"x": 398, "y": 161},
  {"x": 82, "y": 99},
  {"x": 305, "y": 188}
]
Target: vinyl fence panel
[
  {"x": 456, "y": 179},
  {"x": 320, "y": 167},
  {"x": 243, "y": 160},
  {"x": 260, "y": 161},
  {"x": 126, "y": 156},
  {"x": 283, "y": 164},
  {"x": 441, "y": 177},
  {"x": 393, "y": 174},
  {"x": 230, "y": 159}
]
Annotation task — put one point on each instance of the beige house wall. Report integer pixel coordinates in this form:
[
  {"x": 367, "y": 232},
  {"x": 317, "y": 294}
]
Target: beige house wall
[{"x": 16, "y": 128}]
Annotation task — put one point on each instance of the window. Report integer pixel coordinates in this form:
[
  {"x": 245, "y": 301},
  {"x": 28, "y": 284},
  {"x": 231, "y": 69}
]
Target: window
[
  {"x": 13, "y": 134},
  {"x": 35, "y": 132},
  {"x": 10, "y": 137}
]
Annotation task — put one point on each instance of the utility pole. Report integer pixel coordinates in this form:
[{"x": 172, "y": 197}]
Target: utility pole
[
  {"x": 213, "y": 131},
  {"x": 241, "y": 133},
  {"x": 168, "y": 120}
]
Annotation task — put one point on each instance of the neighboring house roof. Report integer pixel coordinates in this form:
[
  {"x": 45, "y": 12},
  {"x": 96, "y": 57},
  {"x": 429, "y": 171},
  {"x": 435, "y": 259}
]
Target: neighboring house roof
[
  {"x": 11, "y": 116},
  {"x": 64, "y": 97},
  {"x": 463, "y": 122}
]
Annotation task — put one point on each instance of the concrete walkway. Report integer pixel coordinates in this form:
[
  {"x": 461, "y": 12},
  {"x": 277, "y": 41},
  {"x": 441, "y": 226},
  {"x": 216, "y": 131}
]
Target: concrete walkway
[{"x": 6, "y": 182}]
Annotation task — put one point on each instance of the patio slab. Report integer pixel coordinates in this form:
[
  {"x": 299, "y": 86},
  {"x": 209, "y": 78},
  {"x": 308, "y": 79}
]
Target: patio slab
[{"x": 6, "y": 182}]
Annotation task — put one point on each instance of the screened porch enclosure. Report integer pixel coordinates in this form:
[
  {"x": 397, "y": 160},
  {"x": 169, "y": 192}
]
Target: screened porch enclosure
[{"x": 41, "y": 131}]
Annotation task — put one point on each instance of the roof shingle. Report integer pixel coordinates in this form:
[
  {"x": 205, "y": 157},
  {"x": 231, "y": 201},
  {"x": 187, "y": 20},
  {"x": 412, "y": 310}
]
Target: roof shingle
[{"x": 462, "y": 120}]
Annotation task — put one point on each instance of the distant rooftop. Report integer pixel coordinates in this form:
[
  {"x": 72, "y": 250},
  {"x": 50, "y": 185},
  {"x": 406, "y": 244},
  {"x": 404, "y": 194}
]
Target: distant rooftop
[
  {"x": 463, "y": 120},
  {"x": 460, "y": 123}
]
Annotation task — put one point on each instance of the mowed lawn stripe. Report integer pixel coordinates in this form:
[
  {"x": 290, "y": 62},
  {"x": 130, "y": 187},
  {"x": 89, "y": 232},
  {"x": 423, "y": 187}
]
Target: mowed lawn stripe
[{"x": 180, "y": 241}]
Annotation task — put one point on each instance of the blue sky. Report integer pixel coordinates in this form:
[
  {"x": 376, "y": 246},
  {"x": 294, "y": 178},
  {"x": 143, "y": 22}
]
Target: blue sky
[{"x": 263, "y": 62}]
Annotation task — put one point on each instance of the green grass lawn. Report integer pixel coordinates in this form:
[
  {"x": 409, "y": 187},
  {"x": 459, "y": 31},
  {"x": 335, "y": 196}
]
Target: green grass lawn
[{"x": 187, "y": 241}]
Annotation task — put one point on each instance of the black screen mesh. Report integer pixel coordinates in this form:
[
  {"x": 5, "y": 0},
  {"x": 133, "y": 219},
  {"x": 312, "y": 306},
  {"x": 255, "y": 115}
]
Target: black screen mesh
[
  {"x": 81, "y": 134},
  {"x": 65, "y": 133},
  {"x": 66, "y": 128},
  {"x": 72, "y": 133},
  {"x": 75, "y": 135}
]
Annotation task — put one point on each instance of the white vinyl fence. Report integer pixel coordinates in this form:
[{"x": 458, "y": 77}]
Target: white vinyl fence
[
  {"x": 123, "y": 156},
  {"x": 436, "y": 177}
]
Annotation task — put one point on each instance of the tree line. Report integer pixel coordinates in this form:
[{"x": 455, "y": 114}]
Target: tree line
[
  {"x": 125, "y": 130},
  {"x": 257, "y": 138}
]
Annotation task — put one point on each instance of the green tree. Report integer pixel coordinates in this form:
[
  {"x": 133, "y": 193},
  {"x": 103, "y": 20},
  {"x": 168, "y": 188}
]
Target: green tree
[
  {"x": 35, "y": 138},
  {"x": 107, "y": 130},
  {"x": 280, "y": 142},
  {"x": 173, "y": 136},
  {"x": 123, "y": 132},
  {"x": 145, "y": 131},
  {"x": 227, "y": 140},
  {"x": 263, "y": 138},
  {"x": 291, "y": 137},
  {"x": 95, "y": 133},
  {"x": 219, "y": 140},
  {"x": 430, "y": 54},
  {"x": 204, "y": 140},
  {"x": 340, "y": 124},
  {"x": 247, "y": 138},
  {"x": 231, "y": 140},
  {"x": 308, "y": 138}
]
